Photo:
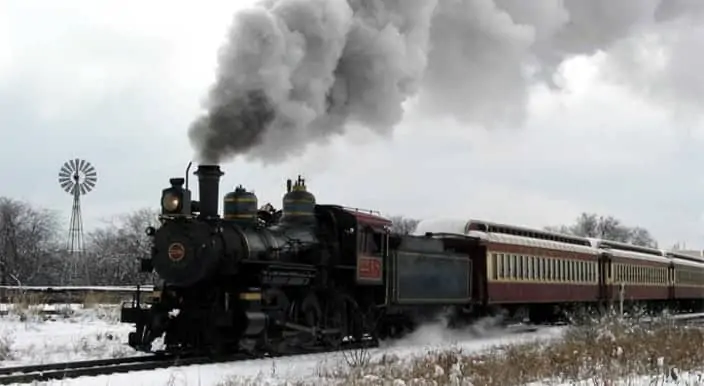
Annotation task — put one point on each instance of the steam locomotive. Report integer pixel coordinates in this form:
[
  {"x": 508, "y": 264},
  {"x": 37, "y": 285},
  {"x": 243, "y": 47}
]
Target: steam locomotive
[
  {"x": 310, "y": 275},
  {"x": 262, "y": 280}
]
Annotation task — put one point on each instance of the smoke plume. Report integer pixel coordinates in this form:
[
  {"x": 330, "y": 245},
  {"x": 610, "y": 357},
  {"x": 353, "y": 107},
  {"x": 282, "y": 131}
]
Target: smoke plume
[{"x": 296, "y": 72}]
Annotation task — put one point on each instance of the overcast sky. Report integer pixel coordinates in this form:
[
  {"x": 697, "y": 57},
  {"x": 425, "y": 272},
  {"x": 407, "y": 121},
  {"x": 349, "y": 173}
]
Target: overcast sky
[{"x": 118, "y": 84}]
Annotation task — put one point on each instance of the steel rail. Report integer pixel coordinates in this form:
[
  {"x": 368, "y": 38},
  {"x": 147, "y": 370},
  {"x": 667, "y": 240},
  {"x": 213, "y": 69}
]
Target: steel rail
[
  {"x": 67, "y": 370},
  {"x": 75, "y": 371},
  {"x": 73, "y": 365}
]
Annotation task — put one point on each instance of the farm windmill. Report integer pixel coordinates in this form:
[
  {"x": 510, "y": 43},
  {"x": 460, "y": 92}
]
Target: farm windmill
[{"x": 77, "y": 177}]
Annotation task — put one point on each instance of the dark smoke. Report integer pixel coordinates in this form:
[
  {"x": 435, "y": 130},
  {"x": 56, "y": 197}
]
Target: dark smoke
[
  {"x": 295, "y": 72},
  {"x": 234, "y": 126}
]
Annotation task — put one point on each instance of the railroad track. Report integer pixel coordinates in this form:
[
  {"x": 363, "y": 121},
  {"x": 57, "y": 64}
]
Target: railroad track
[
  {"x": 39, "y": 373},
  {"x": 66, "y": 370}
]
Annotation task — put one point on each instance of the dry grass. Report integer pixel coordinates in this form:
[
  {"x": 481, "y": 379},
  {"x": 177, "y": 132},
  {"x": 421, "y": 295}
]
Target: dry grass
[
  {"x": 599, "y": 352},
  {"x": 26, "y": 306},
  {"x": 26, "y": 300},
  {"x": 92, "y": 299},
  {"x": 87, "y": 298},
  {"x": 6, "y": 342},
  {"x": 31, "y": 306}
]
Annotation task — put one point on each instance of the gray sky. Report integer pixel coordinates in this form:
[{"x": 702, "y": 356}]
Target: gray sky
[{"x": 119, "y": 84}]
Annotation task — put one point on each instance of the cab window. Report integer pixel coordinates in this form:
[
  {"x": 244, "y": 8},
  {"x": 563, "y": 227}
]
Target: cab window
[{"x": 369, "y": 242}]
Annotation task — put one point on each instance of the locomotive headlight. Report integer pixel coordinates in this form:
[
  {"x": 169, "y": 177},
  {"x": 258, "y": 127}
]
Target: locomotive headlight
[{"x": 170, "y": 202}]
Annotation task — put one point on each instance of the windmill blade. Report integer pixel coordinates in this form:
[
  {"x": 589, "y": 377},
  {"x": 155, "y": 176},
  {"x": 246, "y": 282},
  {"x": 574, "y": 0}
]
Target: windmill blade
[
  {"x": 90, "y": 183},
  {"x": 64, "y": 171},
  {"x": 83, "y": 189},
  {"x": 87, "y": 188},
  {"x": 82, "y": 165},
  {"x": 67, "y": 186},
  {"x": 89, "y": 169},
  {"x": 67, "y": 167},
  {"x": 85, "y": 165},
  {"x": 74, "y": 164},
  {"x": 91, "y": 178}
]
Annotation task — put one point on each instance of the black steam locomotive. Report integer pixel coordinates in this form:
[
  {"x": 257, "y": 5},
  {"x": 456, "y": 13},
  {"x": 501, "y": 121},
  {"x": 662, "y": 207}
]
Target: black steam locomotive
[{"x": 308, "y": 275}]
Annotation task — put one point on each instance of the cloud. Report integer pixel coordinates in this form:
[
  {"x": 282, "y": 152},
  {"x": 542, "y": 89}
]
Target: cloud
[{"x": 118, "y": 83}]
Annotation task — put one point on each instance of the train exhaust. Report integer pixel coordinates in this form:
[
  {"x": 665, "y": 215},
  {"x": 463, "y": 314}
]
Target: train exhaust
[{"x": 208, "y": 189}]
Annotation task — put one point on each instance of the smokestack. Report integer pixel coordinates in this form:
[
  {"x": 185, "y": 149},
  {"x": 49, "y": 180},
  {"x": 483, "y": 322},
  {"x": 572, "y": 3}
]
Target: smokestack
[{"x": 208, "y": 187}]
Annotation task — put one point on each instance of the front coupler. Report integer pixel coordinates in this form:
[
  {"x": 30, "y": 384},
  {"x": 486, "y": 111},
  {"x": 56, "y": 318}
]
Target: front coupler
[{"x": 144, "y": 320}]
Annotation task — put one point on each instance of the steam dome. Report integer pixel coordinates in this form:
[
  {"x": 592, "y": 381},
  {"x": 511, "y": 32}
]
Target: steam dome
[
  {"x": 298, "y": 203},
  {"x": 240, "y": 206}
]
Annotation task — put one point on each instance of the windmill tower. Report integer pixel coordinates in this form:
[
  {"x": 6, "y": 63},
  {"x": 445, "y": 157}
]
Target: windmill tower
[{"x": 77, "y": 177}]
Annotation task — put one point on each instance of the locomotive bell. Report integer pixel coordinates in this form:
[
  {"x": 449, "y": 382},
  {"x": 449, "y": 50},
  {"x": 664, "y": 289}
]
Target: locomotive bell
[
  {"x": 298, "y": 203},
  {"x": 240, "y": 207}
]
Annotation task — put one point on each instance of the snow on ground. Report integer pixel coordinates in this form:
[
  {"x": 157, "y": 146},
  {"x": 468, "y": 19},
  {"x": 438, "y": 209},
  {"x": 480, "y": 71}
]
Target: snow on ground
[
  {"x": 74, "y": 333},
  {"x": 77, "y": 334},
  {"x": 95, "y": 333}
]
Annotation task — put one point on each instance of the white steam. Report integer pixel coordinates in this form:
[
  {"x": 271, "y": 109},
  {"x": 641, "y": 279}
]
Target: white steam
[
  {"x": 294, "y": 72},
  {"x": 439, "y": 334},
  {"x": 441, "y": 225}
]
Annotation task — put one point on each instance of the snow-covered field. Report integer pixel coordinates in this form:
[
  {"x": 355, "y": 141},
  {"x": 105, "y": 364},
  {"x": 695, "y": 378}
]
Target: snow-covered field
[
  {"x": 95, "y": 333},
  {"x": 73, "y": 333}
]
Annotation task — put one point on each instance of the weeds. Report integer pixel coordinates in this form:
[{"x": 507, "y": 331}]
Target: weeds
[
  {"x": 93, "y": 299},
  {"x": 599, "y": 352},
  {"x": 6, "y": 352},
  {"x": 358, "y": 358},
  {"x": 35, "y": 307}
]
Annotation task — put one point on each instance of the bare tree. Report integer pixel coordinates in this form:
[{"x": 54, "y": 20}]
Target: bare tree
[
  {"x": 116, "y": 248},
  {"x": 28, "y": 244},
  {"x": 606, "y": 227},
  {"x": 403, "y": 225},
  {"x": 31, "y": 253}
]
